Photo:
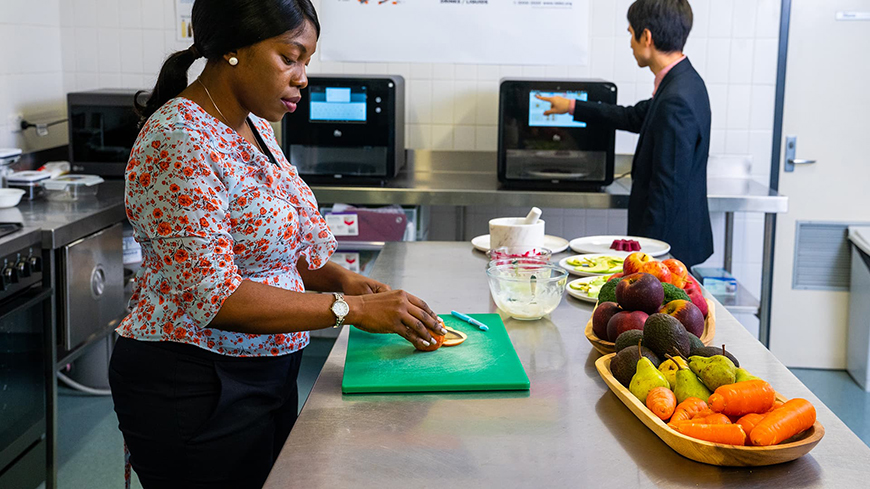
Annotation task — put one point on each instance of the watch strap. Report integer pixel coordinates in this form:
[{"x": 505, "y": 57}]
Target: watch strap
[{"x": 339, "y": 319}]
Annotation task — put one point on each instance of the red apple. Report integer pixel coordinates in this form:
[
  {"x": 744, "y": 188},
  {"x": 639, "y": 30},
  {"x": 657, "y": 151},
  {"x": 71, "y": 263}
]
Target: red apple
[
  {"x": 624, "y": 321},
  {"x": 690, "y": 286},
  {"x": 688, "y": 314},
  {"x": 634, "y": 261},
  {"x": 640, "y": 292},
  {"x": 615, "y": 275},
  {"x": 601, "y": 316},
  {"x": 658, "y": 270},
  {"x": 699, "y": 301},
  {"x": 677, "y": 267}
]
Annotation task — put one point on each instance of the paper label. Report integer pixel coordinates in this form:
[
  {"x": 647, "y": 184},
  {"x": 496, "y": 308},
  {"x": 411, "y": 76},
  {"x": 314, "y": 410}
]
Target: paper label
[
  {"x": 349, "y": 261},
  {"x": 343, "y": 224}
]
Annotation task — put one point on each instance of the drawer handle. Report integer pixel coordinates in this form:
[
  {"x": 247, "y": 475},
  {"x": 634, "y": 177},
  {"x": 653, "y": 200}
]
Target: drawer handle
[{"x": 98, "y": 281}]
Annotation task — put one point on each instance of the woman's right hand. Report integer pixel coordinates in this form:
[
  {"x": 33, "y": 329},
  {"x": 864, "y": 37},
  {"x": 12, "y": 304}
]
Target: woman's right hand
[{"x": 397, "y": 312}]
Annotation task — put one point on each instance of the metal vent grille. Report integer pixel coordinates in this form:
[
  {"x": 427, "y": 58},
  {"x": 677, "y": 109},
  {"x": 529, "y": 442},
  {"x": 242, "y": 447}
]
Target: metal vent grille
[{"x": 822, "y": 256}]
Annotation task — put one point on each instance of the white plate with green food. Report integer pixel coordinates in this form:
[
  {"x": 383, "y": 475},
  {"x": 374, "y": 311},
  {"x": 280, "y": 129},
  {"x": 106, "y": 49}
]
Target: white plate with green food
[
  {"x": 586, "y": 288},
  {"x": 592, "y": 265}
]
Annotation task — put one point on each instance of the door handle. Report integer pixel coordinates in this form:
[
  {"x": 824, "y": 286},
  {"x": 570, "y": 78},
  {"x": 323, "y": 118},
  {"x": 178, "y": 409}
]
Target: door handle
[{"x": 790, "y": 150}]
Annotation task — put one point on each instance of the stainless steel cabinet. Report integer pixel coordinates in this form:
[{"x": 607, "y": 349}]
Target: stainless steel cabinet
[{"x": 91, "y": 286}]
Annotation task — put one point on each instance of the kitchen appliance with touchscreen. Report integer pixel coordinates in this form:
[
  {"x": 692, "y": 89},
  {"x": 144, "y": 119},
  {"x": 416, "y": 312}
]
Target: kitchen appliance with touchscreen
[
  {"x": 348, "y": 129},
  {"x": 103, "y": 126},
  {"x": 553, "y": 152}
]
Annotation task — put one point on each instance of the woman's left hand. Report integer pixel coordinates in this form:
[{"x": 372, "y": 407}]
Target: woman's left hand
[{"x": 356, "y": 284}]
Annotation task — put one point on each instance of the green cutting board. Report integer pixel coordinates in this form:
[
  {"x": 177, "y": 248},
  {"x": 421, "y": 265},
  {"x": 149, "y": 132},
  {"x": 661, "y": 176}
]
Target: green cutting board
[{"x": 486, "y": 361}]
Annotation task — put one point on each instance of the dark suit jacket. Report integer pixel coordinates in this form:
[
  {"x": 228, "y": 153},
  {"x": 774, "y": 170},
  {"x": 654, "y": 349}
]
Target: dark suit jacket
[{"x": 669, "y": 173}]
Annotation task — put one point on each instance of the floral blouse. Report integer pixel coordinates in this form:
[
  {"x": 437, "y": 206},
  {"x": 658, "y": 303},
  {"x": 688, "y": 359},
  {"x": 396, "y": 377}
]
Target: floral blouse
[{"x": 210, "y": 210}]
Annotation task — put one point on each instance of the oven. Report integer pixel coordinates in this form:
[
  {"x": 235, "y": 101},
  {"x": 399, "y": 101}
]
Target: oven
[
  {"x": 25, "y": 311},
  {"x": 103, "y": 126}
]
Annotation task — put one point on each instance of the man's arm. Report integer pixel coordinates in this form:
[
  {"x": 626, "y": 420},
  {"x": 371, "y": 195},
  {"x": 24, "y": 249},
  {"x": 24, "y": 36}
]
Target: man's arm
[
  {"x": 629, "y": 118},
  {"x": 673, "y": 153},
  {"x": 626, "y": 118}
]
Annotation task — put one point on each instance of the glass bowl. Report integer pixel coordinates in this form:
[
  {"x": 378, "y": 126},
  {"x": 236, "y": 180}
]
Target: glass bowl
[
  {"x": 529, "y": 291},
  {"x": 507, "y": 255}
]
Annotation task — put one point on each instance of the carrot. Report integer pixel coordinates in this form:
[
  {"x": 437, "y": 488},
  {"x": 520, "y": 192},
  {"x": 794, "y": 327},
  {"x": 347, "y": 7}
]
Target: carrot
[
  {"x": 748, "y": 422},
  {"x": 662, "y": 402},
  {"x": 704, "y": 418},
  {"x": 751, "y": 396},
  {"x": 727, "y": 434},
  {"x": 776, "y": 405},
  {"x": 703, "y": 414},
  {"x": 793, "y": 417},
  {"x": 686, "y": 409}
]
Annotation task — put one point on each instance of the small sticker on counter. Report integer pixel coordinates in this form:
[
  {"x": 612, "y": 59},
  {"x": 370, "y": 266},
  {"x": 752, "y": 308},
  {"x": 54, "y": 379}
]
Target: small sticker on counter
[
  {"x": 349, "y": 261},
  {"x": 853, "y": 15},
  {"x": 343, "y": 224}
]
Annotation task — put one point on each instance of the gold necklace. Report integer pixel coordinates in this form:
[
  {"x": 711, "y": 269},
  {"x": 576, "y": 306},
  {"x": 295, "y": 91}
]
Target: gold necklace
[{"x": 257, "y": 143}]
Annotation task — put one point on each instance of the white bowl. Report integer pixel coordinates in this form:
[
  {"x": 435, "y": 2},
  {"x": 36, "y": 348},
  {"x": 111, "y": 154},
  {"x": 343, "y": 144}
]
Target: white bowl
[{"x": 10, "y": 197}]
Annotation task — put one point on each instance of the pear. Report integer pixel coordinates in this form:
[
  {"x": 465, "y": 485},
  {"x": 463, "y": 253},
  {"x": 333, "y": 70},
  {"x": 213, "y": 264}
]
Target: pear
[
  {"x": 742, "y": 375},
  {"x": 689, "y": 385},
  {"x": 670, "y": 367},
  {"x": 646, "y": 378},
  {"x": 714, "y": 371}
]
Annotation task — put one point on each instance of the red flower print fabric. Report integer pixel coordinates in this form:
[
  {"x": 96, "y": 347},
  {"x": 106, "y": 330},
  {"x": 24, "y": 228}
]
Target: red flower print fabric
[{"x": 209, "y": 211}]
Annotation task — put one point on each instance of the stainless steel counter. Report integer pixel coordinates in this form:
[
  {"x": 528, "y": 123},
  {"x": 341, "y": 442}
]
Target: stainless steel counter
[
  {"x": 465, "y": 178},
  {"x": 568, "y": 431},
  {"x": 64, "y": 222}
]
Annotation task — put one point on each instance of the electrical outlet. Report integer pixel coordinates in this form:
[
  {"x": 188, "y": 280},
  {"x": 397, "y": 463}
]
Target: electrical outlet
[{"x": 15, "y": 122}]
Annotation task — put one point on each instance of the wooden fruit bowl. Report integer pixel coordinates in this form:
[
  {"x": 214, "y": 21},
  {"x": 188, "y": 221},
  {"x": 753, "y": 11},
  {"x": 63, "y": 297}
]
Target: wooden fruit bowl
[
  {"x": 705, "y": 451},
  {"x": 604, "y": 347}
]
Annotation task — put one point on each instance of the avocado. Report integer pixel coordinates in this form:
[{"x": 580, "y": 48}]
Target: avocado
[
  {"x": 624, "y": 364},
  {"x": 629, "y": 338},
  {"x": 608, "y": 291},
  {"x": 663, "y": 333},
  {"x": 709, "y": 351},
  {"x": 673, "y": 293},
  {"x": 696, "y": 342}
]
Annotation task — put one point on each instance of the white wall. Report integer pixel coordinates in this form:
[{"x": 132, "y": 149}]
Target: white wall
[{"x": 57, "y": 46}]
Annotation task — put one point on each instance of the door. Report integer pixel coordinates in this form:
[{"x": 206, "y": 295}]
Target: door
[{"x": 827, "y": 109}]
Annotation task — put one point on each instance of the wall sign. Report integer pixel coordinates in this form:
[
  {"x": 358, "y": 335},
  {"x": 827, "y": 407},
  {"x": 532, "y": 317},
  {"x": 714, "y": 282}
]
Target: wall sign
[{"x": 516, "y": 32}]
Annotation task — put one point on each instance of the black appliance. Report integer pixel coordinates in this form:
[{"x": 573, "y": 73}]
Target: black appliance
[
  {"x": 25, "y": 311},
  {"x": 553, "y": 152},
  {"x": 348, "y": 129},
  {"x": 103, "y": 125}
]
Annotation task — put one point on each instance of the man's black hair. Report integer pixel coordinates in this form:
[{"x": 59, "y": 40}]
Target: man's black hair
[{"x": 669, "y": 22}]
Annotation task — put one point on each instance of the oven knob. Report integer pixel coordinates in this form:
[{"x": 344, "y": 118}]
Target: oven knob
[
  {"x": 23, "y": 268},
  {"x": 35, "y": 264},
  {"x": 9, "y": 275}
]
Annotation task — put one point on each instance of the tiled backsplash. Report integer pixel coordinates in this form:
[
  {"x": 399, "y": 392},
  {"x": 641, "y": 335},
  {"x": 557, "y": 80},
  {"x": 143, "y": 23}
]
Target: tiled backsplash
[{"x": 57, "y": 46}]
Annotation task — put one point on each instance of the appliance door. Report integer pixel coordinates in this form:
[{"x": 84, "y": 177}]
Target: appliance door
[
  {"x": 93, "y": 286},
  {"x": 22, "y": 373},
  {"x": 101, "y": 137}
]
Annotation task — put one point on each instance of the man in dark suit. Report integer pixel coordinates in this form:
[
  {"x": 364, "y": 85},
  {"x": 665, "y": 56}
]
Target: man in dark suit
[{"x": 669, "y": 172}]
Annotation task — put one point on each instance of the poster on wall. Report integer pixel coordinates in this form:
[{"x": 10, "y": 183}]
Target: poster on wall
[
  {"x": 183, "y": 26},
  {"x": 516, "y": 32}
]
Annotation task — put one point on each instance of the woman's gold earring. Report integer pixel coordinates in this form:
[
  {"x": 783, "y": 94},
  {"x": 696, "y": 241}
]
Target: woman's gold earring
[{"x": 233, "y": 61}]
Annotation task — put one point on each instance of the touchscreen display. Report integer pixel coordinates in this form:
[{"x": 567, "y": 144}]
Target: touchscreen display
[
  {"x": 338, "y": 104},
  {"x": 538, "y": 107}
]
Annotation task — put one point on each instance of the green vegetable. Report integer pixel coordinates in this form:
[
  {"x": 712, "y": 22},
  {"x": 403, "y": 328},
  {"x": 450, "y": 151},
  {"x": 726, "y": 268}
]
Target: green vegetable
[
  {"x": 591, "y": 287},
  {"x": 673, "y": 293},
  {"x": 608, "y": 291}
]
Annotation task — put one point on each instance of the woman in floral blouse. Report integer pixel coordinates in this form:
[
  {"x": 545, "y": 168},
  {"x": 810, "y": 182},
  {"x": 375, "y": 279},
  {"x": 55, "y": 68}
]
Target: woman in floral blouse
[{"x": 204, "y": 374}]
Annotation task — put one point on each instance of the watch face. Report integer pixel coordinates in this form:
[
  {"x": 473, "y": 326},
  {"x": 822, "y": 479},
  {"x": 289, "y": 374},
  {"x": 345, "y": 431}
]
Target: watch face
[{"x": 340, "y": 308}]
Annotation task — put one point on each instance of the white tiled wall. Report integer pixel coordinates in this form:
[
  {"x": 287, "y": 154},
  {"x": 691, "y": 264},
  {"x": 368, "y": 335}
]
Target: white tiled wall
[{"x": 51, "y": 47}]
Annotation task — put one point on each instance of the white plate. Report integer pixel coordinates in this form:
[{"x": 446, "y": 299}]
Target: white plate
[
  {"x": 571, "y": 269},
  {"x": 579, "y": 294},
  {"x": 552, "y": 243},
  {"x": 601, "y": 244}
]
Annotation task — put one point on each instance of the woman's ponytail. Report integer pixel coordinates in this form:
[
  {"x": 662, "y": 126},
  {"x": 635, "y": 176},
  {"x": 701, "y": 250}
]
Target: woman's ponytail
[{"x": 171, "y": 81}]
